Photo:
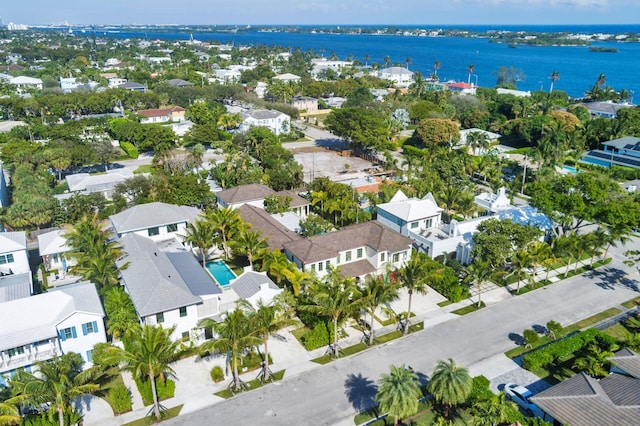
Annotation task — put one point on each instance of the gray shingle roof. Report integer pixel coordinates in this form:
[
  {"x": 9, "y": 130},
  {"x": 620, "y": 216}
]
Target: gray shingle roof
[
  {"x": 276, "y": 233},
  {"x": 151, "y": 279},
  {"x": 371, "y": 234},
  {"x": 262, "y": 114},
  {"x": 248, "y": 284},
  {"x": 628, "y": 361},
  {"x": 245, "y": 193},
  {"x": 143, "y": 216}
]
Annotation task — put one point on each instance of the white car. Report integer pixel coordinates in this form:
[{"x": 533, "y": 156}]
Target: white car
[{"x": 520, "y": 395}]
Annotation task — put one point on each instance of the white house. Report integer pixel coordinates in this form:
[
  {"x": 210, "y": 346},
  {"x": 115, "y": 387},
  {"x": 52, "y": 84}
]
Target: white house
[
  {"x": 358, "y": 250},
  {"x": 162, "y": 115},
  {"x": 169, "y": 288},
  {"x": 54, "y": 250},
  {"x": 321, "y": 64},
  {"x": 157, "y": 221},
  {"x": 23, "y": 82},
  {"x": 516, "y": 93},
  {"x": 288, "y": 78},
  {"x": 102, "y": 183},
  {"x": 67, "y": 319},
  {"x": 276, "y": 121},
  {"x": 398, "y": 75},
  {"x": 14, "y": 257},
  {"x": 404, "y": 214},
  {"x": 254, "y": 287}
]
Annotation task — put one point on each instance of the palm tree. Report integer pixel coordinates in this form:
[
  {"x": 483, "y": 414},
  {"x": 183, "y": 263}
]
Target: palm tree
[
  {"x": 565, "y": 245},
  {"x": 601, "y": 80},
  {"x": 366, "y": 59},
  {"x": 597, "y": 239},
  {"x": 414, "y": 277},
  {"x": 520, "y": 262},
  {"x": 539, "y": 252},
  {"x": 436, "y": 67},
  {"x": 554, "y": 76},
  {"x": 399, "y": 392},
  {"x": 617, "y": 234},
  {"x": 122, "y": 319},
  {"x": 377, "y": 292},
  {"x": 148, "y": 355},
  {"x": 496, "y": 410},
  {"x": 249, "y": 244},
  {"x": 336, "y": 297},
  {"x": 449, "y": 384},
  {"x": 478, "y": 272},
  {"x": 470, "y": 69},
  {"x": 233, "y": 335},
  {"x": 200, "y": 234},
  {"x": 408, "y": 61},
  {"x": 9, "y": 414},
  {"x": 58, "y": 381},
  {"x": 387, "y": 61},
  {"x": 265, "y": 320},
  {"x": 228, "y": 222}
]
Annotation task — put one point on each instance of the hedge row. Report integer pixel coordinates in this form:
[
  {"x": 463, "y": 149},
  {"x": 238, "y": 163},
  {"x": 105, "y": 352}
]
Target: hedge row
[
  {"x": 129, "y": 149},
  {"x": 564, "y": 347},
  {"x": 165, "y": 390}
]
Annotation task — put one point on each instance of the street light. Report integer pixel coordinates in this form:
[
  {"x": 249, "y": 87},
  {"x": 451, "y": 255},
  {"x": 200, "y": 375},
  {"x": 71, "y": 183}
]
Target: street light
[{"x": 524, "y": 175}]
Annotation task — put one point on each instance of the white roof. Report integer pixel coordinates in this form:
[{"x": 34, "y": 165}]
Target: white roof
[
  {"x": 143, "y": 216},
  {"x": 287, "y": 76},
  {"x": 23, "y": 79},
  {"x": 35, "y": 318},
  {"x": 53, "y": 243},
  {"x": 410, "y": 209},
  {"x": 395, "y": 71},
  {"x": 85, "y": 181},
  {"x": 12, "y": 241}
]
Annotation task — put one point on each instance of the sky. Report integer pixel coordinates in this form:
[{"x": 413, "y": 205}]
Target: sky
[{"x": 319, "y": 12}]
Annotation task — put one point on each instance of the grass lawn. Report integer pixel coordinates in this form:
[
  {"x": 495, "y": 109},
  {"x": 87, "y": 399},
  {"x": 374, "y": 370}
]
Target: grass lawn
[
  {"x": 616, "y": 331},
  {"x": 585, "y": 323},
  {"x": 115, "y": 380},
  {"x": 444, "y": 303},
  {"x": 145, "y": 168},
  {"x": 468, "y": 309},
  {"x": 631, "y": 303},
  {"x": 167, "y": 414},
  {"x": 252, "y": 384}
]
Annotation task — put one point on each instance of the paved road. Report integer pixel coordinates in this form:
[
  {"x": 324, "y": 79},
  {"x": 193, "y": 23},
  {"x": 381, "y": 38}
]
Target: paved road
[{"x": 332, "y": 394}]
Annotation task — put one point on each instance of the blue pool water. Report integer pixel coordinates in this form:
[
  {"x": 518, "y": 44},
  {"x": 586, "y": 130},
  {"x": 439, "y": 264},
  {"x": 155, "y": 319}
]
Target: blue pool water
[{"x": 220, "y": 272}]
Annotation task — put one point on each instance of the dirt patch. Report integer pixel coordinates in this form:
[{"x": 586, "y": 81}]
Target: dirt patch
[{"x": 320, "y": 163}]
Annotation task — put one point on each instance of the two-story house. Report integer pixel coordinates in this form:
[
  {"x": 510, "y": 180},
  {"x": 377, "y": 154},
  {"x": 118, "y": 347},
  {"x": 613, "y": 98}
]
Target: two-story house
[
  {"x": 168, "y": 288},
  {"x": 162, "y": 115},
  {"x": 358, "y": 250},
  {"x": 404, "y": 214},
  {"x": 54, "y": 250},
  {"x": 158, "y": 221},
  {"x": 254, "y": 194},
  {"x": 66, "y": 319},
  {"x": 276, "y": 121}
]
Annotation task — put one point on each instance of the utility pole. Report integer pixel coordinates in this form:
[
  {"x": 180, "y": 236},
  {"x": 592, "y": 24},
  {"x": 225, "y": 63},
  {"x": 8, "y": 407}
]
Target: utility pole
[{"x": 524, "y": 175}]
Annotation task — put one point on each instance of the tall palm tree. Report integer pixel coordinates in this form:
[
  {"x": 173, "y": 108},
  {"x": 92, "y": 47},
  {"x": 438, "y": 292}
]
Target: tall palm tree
[
  {"x": 414, "y": 277},
  {"x": 450, "y": 384},
  {"x": 387, "y": 61},
  {"x": 9, "y": 414},
  {"x": 478, "y": 272},
  {"x": 565, "y": 245},
  {"x": 617, "y": 234},
  {"x": 408, "y": 61},
  {"x": 554, "y": 76},
  {"x": 336, "y": 297},
  {"x": 496, "y": 410},
  {"x": 601, "y": 80},
  {"x": 200, "y": 234},
  {"x": 58, "y": 381},
  {"x": 377, "y": 292},
  {"x": 597, "y": 239},
  {"x": 366, "y": 59},
  {"x": 249, "y": 244},
  {"x": 436, "y": 67},
  {"x": 148, "y": 355},
  {"x": 520, "y": 262},
  {"x": 399, "y": 392},
  {"x": 122, "y": 319},
  {"x": 233, "y": 335},
  {"x": 265, "y": 320},
  {"x": 539, "y": 252},
  {"x": 228, "y": 222},
  {"x": 470, "y": 69}
]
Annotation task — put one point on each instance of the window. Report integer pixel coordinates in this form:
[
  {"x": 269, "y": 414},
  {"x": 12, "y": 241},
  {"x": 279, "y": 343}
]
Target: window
[
  {"x": 396, "y": 257},
  {"x": 90, "y": 327},
  {"x": 359, "y": 253},
  {"x": 183, "y": 311},
  {"x": 153, "y": 231},
  {"x": 172, "y": 228},
  {"x": 68, "y": 333},
  {"x": 320, "y": 265},
  {"x": 6, "y": 258},
  {"x": 428, "y": 223},
  {"x": 313, "y": 266},
  {"x": 348, "y": 256},
  {"x": 90, "y": 355},
  {"x": 185, "y": 336},
  {"x": 414, "y": 225},
  {"x": 160, "y": 318},
  {"x": 326, "y": 264},
  {"x": 16, "y": 351},
  {"x": 382, "y": 257},
  {"x": 338, "y": 260}
]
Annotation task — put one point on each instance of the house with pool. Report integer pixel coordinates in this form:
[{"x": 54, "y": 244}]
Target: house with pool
[
  {"x": 359, "y": 250},
  {"x": 168, "y": 286},
  {"x": 157, "y": 221}
]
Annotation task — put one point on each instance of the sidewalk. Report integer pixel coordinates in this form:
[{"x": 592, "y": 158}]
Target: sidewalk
[{"x": 195, "y": 389}]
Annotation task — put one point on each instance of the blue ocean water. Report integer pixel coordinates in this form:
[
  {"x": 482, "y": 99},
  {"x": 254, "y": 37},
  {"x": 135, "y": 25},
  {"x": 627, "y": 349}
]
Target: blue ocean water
[{"x": 578, "y": 67}]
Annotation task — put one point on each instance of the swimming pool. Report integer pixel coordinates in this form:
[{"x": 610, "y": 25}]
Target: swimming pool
[{"x": 220, "y": 272}]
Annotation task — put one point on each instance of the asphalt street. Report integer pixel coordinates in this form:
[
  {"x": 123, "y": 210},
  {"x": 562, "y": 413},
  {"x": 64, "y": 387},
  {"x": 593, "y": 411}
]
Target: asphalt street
[{"x": 334, "y": 393}]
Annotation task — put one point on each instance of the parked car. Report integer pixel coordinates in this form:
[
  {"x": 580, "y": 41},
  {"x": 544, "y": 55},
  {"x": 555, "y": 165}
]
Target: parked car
[{"x": 520, "y": 395}]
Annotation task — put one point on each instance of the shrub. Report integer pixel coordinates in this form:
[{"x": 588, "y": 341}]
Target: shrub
[
  {"x": 555, "y": 329},
  {"x": 165, "y": 390},
  {"x": 129, "y": 149},
  {"x": 120, "y": 398},
  {"x": 531, "y": 337},
  {"x": 479, "y": 390},
  {"x": 217, "y": 375},
  {"x": 317, "y": 337}
]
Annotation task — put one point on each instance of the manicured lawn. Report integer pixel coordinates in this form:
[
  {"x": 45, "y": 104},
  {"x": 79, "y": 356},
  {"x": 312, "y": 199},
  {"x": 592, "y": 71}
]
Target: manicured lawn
[
  {"x": 444, "y": 303},
  {"x": 468, "y": 309},
  {"x": 631, "y": 303},
  {"x": 252, "y": 384},
  {"x": 145, "y": 168},
  {"x": 167, "y": 414},
  {"x": 617, "y": 331}
]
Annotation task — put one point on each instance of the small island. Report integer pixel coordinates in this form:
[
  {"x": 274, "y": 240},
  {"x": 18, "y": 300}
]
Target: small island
[{"x": 603, "y": 49}]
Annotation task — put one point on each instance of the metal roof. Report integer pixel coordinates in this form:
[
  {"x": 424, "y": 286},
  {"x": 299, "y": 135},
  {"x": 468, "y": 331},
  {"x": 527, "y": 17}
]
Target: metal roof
[{"x": 143, "y": 216}]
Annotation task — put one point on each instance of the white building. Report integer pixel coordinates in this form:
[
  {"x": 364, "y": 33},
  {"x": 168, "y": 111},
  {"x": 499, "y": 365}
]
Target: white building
[
  {"x": 14, "y": 257},
  {"x": 23, "y": 82},
  {"x": 157, "y": 221},
  {"x": 54, "y": 250},
  {"x": 398, "y": 75},
  {"x": 404, "y": 214},
  {"x": 67, "y": 319},
  {"x": 103, "y": 183},
  {"x": 276, "y": 121},
  {"x": 288, "y": 78}
]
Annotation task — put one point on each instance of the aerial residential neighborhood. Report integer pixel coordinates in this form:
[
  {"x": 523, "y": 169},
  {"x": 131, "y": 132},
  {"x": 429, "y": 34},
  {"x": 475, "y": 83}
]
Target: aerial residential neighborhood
[{"x": 196, "y": 230}]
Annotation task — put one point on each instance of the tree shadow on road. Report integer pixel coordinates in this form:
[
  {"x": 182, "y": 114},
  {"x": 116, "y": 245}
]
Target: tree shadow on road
[
  {"x": 609, "y": 278},
  {"x": 517, "y": 339},
  {"x": 360, "y": 391}
]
